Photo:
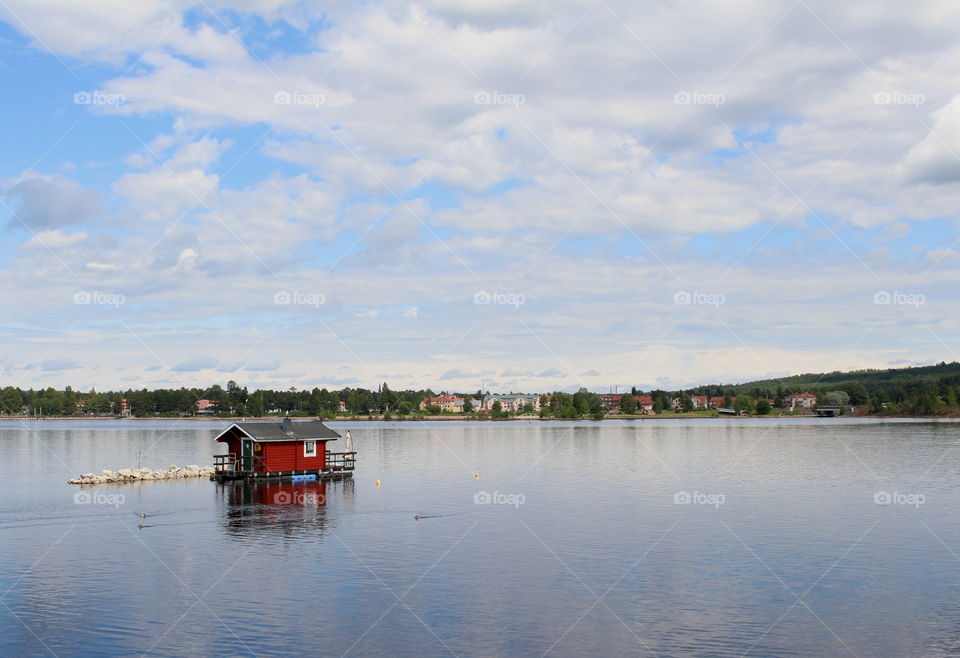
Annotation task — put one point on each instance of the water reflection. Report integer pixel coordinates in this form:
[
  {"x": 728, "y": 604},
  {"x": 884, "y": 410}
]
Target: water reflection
[{"x": 280, "y": 507}]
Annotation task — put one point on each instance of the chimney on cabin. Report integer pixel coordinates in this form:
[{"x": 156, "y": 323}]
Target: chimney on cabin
[{"x": 286, "y": 424}]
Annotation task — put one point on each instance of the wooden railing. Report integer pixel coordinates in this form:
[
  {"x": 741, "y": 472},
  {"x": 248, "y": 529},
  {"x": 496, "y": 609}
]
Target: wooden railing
[
  {"x": 341, "y": 461},
  {"x": 231, "y": 463}
]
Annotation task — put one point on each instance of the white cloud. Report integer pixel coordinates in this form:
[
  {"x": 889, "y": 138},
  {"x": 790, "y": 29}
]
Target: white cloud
[
  {"x": 173, "y": 187},
  {"x": 942, "y": 255},
  {"x": 110, "y": 29},
  {"x": 936, "y": 159},
  {"x": 54, "y": 239}
]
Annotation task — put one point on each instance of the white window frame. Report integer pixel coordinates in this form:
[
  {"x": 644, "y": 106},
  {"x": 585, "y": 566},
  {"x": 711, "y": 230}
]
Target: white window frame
[{"x": 306, "y": 448}]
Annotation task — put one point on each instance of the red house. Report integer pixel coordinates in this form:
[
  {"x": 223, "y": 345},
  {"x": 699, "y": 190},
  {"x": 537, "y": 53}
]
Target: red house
[
  {"x": 644, "y": 402},
  {"x": 611, "y": 402},
  {"x": 272, "y": 449}
]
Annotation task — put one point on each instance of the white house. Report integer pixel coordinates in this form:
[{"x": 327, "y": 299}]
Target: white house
[
  {"x": 801, "y": 400},
  {"x": 513, "y": 402}
]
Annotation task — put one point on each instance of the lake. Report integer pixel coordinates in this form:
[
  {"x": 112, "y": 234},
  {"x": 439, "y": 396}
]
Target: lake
[{"x": 712, "y": 537}]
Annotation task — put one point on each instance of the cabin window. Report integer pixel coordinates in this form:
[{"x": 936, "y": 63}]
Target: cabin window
[{"x": 309, "y": 448}]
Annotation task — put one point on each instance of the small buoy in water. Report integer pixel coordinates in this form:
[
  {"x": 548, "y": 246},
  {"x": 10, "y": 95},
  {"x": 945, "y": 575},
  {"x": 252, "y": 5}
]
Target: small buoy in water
[
  {"x": 378, "y": 484},
  {"x": 417, "y": 517},
  {"x": 476, "y": 476}
]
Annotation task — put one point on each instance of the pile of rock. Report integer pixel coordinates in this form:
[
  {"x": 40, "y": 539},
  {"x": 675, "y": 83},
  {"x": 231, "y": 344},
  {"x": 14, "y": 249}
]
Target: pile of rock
[{"x": 140, "y": 474}]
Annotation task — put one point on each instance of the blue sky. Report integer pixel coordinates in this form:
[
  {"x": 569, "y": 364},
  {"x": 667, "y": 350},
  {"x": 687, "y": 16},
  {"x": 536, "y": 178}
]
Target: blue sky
[{"x": 510, "y": 194}]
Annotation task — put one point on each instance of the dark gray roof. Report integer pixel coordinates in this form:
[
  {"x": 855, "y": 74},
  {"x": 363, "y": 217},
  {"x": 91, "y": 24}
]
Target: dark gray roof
[{"x": 299, "y": 431}]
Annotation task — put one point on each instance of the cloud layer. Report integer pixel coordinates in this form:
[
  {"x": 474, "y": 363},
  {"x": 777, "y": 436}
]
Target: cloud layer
[{"x": 522, "y": 195}]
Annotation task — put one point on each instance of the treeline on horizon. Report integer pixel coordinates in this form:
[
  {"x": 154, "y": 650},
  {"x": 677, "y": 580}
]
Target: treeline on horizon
[
  {"x": 917, "y": 390},
  {"x": 234, "y": 400},
  {"x": 924, "y": 390}
]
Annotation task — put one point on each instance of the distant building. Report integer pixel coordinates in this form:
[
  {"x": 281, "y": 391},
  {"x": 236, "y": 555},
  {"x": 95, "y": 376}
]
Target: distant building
[
  {"x": 696, "y": 402},
  {"x": 644, "y": 402},
  {"x": 206, "y": 406},
  {"x": 717, "y": 402},
  {"x": 610, "y": 402},
  {"x": 449, "y": 403},
  {"x": 800, "y": 400},
  {"x": 513, "y": 402}
]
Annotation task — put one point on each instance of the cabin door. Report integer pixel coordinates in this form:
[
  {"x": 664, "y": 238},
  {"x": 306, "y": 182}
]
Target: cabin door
[{"x": 246, "y": 452}]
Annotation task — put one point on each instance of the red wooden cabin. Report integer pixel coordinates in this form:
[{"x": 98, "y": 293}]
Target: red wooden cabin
[{"x": 279, "y": 449}]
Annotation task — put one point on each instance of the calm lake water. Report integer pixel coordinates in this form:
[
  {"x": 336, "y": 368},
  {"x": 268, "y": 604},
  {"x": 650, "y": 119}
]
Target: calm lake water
[{"x": 717, "y": 537}]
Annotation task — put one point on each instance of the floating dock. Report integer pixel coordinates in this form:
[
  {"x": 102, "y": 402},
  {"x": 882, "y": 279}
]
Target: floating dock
[{"x": 227, "y": 468}]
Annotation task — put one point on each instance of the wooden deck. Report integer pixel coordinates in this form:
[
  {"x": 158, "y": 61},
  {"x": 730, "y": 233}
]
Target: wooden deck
[{"x": 229, "y": 467}]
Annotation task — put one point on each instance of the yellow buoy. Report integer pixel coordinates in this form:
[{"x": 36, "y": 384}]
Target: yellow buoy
[
  {"x": 476, "y": 476},
  {"x": 378, "y": 484}
]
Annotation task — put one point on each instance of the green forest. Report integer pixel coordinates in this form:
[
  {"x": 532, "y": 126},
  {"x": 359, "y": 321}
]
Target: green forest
[{"x": 920, "y": 390}]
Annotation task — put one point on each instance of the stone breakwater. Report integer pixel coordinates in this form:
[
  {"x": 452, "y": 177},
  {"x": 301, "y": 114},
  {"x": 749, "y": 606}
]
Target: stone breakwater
[{"x": 142, "y": 474}]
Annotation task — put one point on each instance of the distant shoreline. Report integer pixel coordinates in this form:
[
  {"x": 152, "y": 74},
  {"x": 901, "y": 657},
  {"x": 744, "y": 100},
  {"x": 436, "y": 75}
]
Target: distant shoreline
[{"x": 371, "y": 419}]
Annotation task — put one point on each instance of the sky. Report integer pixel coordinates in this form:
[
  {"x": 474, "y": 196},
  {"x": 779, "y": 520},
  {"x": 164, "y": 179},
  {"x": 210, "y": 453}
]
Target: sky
[{"x": 513, "y": 194}]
